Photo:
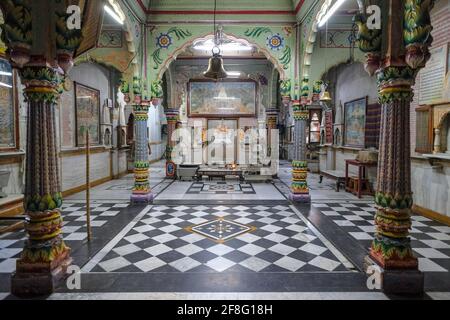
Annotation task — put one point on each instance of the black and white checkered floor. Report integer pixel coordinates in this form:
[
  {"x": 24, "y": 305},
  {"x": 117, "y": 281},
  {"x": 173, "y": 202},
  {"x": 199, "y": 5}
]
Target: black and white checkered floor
[
  {"x": 227, "y": 238},
  {"x": 430, "y": 239},
  {"x": 188, "y": 239},
  {"x": 74, "y": 228},
  {"x": 221, "y": 187}
]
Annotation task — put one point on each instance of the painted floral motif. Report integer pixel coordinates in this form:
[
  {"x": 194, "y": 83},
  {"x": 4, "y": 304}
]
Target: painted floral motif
[
  {"x": 285, "y": 59},
  {"x": 164, "y": 40},
  {"x": 287, "y": 31},
  {"x": 275, "y": 42}
]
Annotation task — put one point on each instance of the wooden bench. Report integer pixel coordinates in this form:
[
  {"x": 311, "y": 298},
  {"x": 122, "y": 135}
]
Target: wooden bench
[{"x": 337, "y": 175}]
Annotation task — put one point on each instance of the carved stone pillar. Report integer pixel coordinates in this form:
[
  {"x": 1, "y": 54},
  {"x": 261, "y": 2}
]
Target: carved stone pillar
[
  {"x": 141, "y": 190},
  {"x": 391, "y": 247},
  {"x": 45, "y": 256},
  {"x": 172, "y": 119},
  {"x": 299, "y": 186},
  {"x": 42, "y": 60},
  {"x": 406, "y": 39},
  {"x": 437, "y": 141}
]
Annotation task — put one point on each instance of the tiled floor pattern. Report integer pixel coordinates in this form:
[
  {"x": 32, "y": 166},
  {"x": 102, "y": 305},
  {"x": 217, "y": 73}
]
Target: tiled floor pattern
[
  {"x": 161, "y": 241},
  {"x": 429, "y": 239},
  {"x": 221, "y": 187},
  {"x": 74, "y": 228}
]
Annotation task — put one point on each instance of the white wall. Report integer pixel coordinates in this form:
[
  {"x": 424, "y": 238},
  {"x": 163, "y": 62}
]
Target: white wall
[
  {"x": 72, "y": 167},
  {"x": 431, "y": 187}
]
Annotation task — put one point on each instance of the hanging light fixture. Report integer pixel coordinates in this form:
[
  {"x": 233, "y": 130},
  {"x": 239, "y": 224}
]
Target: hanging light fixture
[{"x": 215, "y": 67}]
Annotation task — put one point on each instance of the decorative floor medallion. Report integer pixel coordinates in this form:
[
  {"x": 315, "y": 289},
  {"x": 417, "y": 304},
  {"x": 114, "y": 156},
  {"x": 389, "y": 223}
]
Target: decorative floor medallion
[
  {"x": 221, "y": 230},
  {"x": 221, "y": 187}
]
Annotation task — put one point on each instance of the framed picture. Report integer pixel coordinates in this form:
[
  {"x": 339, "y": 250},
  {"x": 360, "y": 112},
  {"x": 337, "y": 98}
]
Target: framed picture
[
  {"x": 355, "y": 123},
  {"x": 87, "y": 110},
  {"x": 9, "y": 124},
  {"x": 227, "y": 98},
  {"x": 109, "y": 103}
]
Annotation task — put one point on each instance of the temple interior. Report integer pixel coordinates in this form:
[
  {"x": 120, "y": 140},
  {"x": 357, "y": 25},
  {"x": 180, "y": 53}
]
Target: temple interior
[{"x": 288, "y": 149}]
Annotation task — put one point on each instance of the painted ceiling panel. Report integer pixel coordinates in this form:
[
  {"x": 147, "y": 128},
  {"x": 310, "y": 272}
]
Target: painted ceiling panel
[{"x": 278, "y": 5}]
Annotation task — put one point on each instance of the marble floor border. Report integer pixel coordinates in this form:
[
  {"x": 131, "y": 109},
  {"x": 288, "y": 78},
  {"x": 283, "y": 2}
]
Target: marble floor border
[
  {"x": 324, "y": 240},
  {"x": 227, "y": 296},
  {"x": 222, "y": 282},
  {"x": 221, "y": 202},
  {"x": 110, "y": 245},
  {"x": 352, "y": 250}
]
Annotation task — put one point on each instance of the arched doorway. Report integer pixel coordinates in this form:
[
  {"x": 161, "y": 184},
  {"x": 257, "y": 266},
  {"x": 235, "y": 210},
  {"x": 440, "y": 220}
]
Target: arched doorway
[{"x": 247, "y": 67}]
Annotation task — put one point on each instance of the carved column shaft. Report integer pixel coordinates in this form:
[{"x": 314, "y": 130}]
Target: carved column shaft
[
  {"x": 45, "y": 256},
  {"x": 391, "y": 247},
  {"x": 141, "y": 191},
  {"x": 299, "y": 186}
]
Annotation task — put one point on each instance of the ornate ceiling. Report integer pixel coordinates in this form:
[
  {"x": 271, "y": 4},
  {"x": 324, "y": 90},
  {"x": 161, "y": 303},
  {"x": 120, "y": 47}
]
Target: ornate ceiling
[{"x": 232, "y": 5}]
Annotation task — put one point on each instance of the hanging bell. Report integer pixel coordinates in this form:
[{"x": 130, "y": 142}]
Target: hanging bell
[
  {"x": 215, "y": 68},
  {"x": 326, "y": 97}
]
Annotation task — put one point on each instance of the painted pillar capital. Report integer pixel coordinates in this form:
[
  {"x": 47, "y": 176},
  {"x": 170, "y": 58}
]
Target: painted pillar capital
[
  {"x": 285, "y": 91},
  {"x": 125, "y": 89},
  {"x": 304, "y": 91},
  {"x": 172, "y": 115},
  {"x": 157, "y": 92},
  {"x": 317, "y": 90}
]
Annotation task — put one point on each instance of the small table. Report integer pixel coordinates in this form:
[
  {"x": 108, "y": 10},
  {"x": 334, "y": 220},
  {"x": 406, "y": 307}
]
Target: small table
[
  {"x": 337, "y": 175},
  {"x": 357, "y": 187},
  {"x": 219, "y": 172}
]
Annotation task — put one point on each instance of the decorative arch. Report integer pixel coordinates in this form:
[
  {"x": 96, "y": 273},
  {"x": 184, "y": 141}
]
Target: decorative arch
[
  {"x": 165, "y": 65},
  {"x": 311, "y": 36},
  {"x": 442, "y": 119}
]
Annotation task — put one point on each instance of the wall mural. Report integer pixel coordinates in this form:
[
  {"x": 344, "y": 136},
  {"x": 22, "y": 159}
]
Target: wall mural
[
  {"x": 274, "y": 41},
  {"x": 110, "y": 39},
  {"x": 277, "y": 43},
  {"x": 336, "y": 38},
  {"x": 87, "y": 106},
  {"x": 165, "y": 40},
  {"x": 223, "y": 99},
  {"x": 355, "y": 122}
]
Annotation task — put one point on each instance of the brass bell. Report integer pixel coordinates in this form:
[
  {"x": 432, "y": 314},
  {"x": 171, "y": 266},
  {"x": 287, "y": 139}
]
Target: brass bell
[
  {"x": 325, "y": 97},
  {"x": 215, "y": 68}
]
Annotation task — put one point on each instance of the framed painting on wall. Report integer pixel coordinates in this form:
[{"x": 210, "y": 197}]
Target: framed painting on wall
[
  {"x": 227, "y": 98},
  {"x": 9, "y": 130},
  {"x": 355, "y": 123},
  {"x": 87, "y": 111}
]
